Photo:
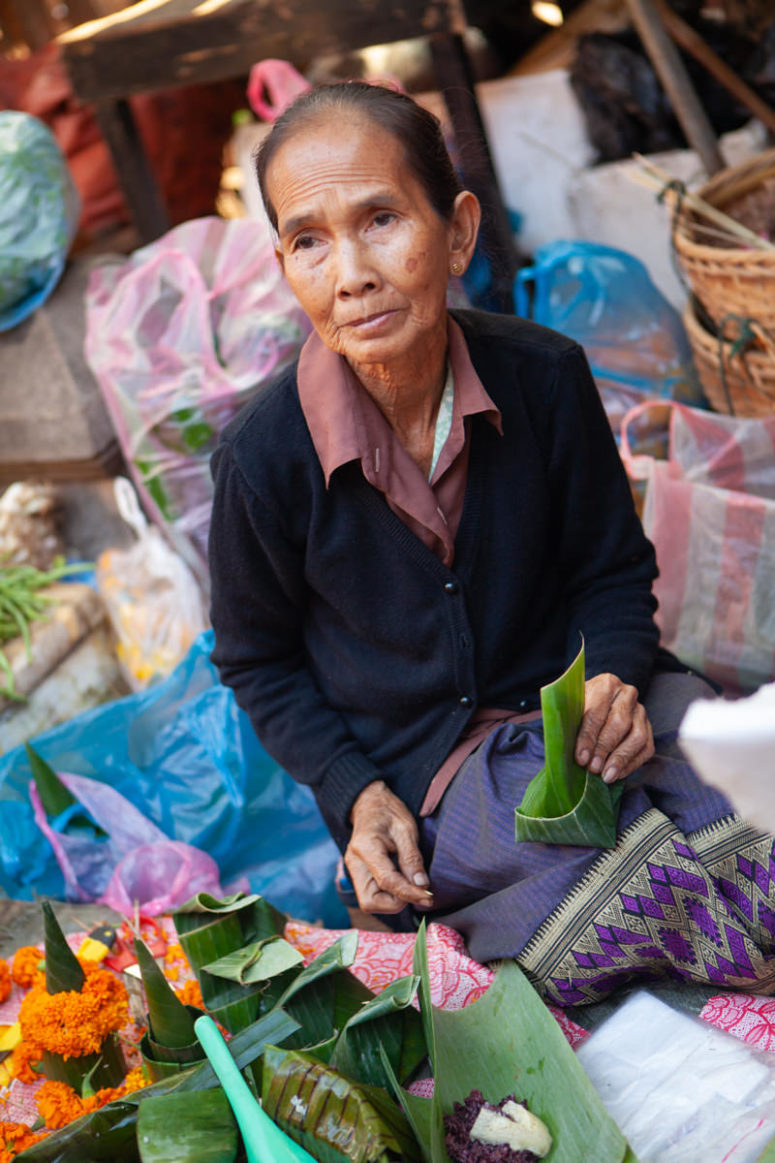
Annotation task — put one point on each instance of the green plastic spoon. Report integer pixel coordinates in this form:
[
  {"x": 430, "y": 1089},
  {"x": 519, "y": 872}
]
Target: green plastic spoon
[{"x": 264, "y": 1141}]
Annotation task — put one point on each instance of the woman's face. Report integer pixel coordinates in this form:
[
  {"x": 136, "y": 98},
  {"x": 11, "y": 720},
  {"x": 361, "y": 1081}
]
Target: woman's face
[{"x": 362, "y": 248}]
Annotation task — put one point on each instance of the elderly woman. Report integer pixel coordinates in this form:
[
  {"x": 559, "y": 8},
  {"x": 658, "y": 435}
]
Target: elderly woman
[{"x": 410, "y": 531}]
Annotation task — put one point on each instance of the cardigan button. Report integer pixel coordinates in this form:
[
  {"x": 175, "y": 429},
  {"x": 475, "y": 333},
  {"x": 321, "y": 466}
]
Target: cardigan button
[
  {"x": 466, "y": 701},
  {"x": 523, "y": 704},
  {"x": 450, "y": 587}
]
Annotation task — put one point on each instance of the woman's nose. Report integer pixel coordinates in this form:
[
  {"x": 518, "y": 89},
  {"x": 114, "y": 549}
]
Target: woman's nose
[{"x": 355, "y": 273}]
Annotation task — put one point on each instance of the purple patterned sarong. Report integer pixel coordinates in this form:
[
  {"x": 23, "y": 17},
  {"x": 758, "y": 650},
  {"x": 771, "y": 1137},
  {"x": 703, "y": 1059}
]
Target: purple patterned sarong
[{"x": 688, "y": 891}]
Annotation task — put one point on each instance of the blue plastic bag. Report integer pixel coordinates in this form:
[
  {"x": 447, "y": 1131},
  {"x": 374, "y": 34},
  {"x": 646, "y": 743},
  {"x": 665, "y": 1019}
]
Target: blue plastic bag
[
  {"x": 185, "y": 755},
  {"x": 604, "y": 299},
  {"x": 39, "y": 212}
]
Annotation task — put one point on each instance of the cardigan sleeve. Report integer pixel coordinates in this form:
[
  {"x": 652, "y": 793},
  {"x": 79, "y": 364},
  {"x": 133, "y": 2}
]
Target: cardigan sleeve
[
  {"x": 257, "y": 611},
  {"x": 607, "y": 563}
]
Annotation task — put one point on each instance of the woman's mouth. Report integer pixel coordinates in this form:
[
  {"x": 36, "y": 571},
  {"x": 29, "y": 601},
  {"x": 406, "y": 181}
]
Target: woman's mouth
[{"x": 373, "y": 322}]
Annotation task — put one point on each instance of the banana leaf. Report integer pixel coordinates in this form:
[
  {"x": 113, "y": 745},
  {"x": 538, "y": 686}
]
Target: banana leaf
[
  {"x": 257, "y": 962},
  {"x": 508, "y": 1042},
  {"x": 336, "y": 1120},
  {"x": 768, "y": 1154},
  {"x": 62, "y": 969},
  {"x": 169, "y": 1021},
  {"x": 564, "y": 804},
  {"x": 55, "y": 798},
  {"x": 388, "y": 1024},
  {"x": 105, "y": 1068},
  {"x": 325, "y": 995},
  {"x": 209, "y": 931},
  {"x": 109, "y": 1134},
  {"x": 174, "y": 1128}
]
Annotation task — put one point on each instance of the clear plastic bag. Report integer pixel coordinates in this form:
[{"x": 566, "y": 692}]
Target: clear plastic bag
[
  {"x": 153, "y": 600},
  {"x": 680, "y": 1090}
]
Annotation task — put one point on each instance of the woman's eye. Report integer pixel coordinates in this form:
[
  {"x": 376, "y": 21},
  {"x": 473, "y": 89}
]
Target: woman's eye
[
  {"x": 304, "y": 242},
  {"x": 383, "y": 218}
]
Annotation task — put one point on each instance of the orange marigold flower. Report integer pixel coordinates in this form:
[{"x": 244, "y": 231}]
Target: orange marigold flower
[
  {"x": 15, "y": 1138},
  {"x": 136, "y": 1079},
  {"x": 5, "y": 980},
  {"x": 26, "y": 969},
  {"x": 73, "y": 1024},
  {"x": 24, "y": 1058},
  {"x": 58, "y": 1104},
  {"x": 174, "y": 953},
  {"x": 191, "y": 994}
]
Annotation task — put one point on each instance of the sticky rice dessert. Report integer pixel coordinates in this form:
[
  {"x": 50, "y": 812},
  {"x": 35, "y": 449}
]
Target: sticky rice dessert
[{"x": 479, "y": 1132}]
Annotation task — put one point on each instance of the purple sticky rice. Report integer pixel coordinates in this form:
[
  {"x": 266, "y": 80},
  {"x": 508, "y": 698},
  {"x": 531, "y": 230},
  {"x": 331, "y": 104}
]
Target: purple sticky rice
[{"x": 463, "y": 1149}]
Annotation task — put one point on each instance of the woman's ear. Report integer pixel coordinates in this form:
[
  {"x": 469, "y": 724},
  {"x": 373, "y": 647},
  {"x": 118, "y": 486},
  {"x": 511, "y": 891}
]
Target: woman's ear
[{"x": 464, "y": 227}]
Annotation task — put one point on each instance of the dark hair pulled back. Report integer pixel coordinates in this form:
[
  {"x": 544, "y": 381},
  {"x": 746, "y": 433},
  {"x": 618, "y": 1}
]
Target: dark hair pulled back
[{"x": 417, "y": 130}]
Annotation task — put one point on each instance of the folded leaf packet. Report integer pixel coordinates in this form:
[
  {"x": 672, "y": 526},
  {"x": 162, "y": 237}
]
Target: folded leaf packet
[{"x": 564, "y": 804}]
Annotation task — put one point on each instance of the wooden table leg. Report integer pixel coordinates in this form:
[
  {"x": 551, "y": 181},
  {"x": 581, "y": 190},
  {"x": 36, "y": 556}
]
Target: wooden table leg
[
  {"x": 455, "y": 81},
  {"x": 136, "y": 178}
]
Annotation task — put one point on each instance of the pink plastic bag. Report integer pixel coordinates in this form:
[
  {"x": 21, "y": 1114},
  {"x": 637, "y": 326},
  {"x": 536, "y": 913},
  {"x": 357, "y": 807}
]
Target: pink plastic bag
[
  {"x": 710, "y": 512},
  {"x": 133, "y": 863},
  {"x": 272, "y": 86},
  {"x": 180, "y": 336}
]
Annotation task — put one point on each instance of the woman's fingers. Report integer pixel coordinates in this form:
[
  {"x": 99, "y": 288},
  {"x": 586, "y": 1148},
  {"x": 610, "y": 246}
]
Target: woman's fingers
[
  {"x": 383, "y": 857},
  {"x": 615, "y": 735}
]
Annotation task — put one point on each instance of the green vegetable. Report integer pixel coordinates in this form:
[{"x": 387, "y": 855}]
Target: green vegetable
[
  {"x": 21, "y": 604},
  {"x": 564, "y": 804}
]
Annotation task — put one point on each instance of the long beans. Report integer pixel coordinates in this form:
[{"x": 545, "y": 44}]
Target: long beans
[{"x": 21, "y": 604}]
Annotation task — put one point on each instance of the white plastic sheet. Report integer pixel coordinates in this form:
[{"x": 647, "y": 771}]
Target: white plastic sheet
[{"x": 679, "y": 1089}]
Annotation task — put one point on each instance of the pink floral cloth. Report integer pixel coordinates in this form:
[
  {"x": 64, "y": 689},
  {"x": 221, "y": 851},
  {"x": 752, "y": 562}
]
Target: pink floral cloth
[{"x": 748, "y": 1017}]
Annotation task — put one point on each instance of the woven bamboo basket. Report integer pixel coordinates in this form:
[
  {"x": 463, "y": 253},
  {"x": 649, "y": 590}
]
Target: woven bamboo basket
[
  {"x": 732, "y": 280},
  {"x": 737, "y": 383}
]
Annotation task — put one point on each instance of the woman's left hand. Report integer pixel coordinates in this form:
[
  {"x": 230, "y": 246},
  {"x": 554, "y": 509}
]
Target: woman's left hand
[{"x": 615, "y": 735}]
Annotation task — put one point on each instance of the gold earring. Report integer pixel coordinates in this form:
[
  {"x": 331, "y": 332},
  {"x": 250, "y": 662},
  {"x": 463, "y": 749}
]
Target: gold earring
[{"x": 456, "y": 268}]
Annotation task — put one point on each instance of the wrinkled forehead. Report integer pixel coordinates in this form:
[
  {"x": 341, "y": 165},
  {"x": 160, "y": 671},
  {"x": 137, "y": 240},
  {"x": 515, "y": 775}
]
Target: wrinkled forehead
[{"x": 317, "y": 130}]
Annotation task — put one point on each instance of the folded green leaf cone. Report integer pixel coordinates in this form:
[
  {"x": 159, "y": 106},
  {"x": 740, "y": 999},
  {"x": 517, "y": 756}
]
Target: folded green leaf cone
[{"x": 564, "y": 804}]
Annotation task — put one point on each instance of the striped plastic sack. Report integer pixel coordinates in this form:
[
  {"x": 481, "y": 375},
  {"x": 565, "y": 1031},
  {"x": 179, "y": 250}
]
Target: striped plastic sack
[{"x": 710, "y": 511}]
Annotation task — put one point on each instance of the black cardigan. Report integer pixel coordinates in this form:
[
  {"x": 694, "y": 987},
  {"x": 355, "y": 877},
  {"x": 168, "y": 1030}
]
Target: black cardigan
[{"x": 356, "y": 653}]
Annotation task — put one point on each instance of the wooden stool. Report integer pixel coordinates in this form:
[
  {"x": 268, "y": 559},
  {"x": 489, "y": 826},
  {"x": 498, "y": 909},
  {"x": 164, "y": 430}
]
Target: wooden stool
[{"x": 158, "y": 44}]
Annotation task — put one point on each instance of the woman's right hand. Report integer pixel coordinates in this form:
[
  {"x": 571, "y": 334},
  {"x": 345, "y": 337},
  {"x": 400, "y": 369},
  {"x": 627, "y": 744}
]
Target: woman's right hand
[{"x": 385, "y": 835}]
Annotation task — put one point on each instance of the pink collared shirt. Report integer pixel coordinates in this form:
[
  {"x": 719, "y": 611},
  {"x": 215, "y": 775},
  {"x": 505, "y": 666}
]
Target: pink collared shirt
[{"x": 346, "y": 424}]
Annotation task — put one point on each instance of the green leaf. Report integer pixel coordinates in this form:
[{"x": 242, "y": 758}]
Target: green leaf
[
  {"x": 388, "y": 1024},
  {"x": 173, "y": 1128},
  {"x": 564, "y": 804},
  {"x": 259, "y": 918},
  {"x": 332, "y": 1118},
  {"x": 108, "y": 1135},
  {"x": 62, "y": 969},
  {"x": 54, "y": 796},
  {"x": 257, "y": 962},
  {"x": 169, "y": 1021},
  {"x": 419, "y": 1111},
  {"x": 325, "y": 995},
  {"x": 507, "y": 1042},
  {"x": 105, "y": 1068}
]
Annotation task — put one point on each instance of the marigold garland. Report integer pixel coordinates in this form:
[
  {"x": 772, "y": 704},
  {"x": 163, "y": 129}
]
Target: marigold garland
[
  {"x": 74, "y": 1024},
  {"x": 26, "y": 969},
  {"x": 5, "y": 981}
]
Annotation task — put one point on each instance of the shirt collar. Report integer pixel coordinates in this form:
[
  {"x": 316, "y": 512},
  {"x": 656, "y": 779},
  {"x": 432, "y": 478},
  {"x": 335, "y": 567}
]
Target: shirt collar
[{"x": 340, "y": 414}]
